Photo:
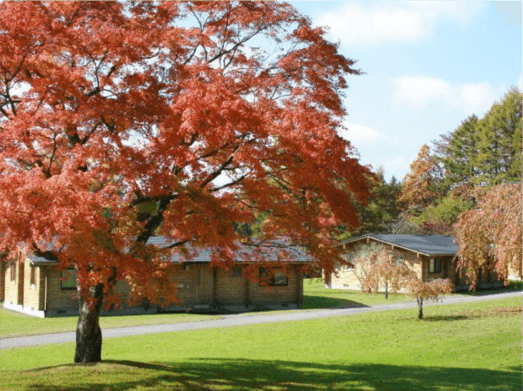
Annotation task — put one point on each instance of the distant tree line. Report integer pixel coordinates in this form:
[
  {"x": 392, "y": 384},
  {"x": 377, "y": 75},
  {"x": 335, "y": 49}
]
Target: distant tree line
[{"x": 464, "y": 164}]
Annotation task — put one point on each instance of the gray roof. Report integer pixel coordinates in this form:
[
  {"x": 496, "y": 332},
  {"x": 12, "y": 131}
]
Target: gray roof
[
  {"x": 37, "y": 260},
  {"x": 246, "y": 253},
  {"x": 430, "y": 245}
]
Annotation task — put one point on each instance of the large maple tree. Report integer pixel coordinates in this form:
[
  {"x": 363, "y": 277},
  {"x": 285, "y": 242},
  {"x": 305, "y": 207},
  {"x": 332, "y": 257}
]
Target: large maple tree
[{"x": 119, "y": 121}]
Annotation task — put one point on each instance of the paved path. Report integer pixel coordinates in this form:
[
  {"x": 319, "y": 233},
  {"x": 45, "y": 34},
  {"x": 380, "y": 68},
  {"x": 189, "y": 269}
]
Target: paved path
[{"x": 237, "y": 320}]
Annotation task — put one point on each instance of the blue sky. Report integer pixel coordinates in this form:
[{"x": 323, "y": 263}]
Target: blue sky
[{"x": 428, "y": 65}]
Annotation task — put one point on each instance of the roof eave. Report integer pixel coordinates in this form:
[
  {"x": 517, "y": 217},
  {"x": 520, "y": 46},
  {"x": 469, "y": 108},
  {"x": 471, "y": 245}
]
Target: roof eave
[{"x": 398, "y": 246}]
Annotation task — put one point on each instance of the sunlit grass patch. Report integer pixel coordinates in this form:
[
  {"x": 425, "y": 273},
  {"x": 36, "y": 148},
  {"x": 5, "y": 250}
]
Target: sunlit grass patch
[
  {"x": 389, "y": 350},
  {"x": 13, "y": 324}
]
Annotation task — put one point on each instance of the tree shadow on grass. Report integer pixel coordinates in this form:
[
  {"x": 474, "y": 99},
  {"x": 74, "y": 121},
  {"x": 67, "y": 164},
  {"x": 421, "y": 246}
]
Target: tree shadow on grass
[
  {"x": 444, "y": 318},
  {"x": 515, "y": 286},
  {"x": 319, "y": 302},
  {"x": 236, "y": 374}
]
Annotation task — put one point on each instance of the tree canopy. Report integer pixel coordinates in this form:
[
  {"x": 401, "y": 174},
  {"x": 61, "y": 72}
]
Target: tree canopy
[
  {"x": 490, "y": 236},
  {"x": 485, "y": 150},
  {"x": 120, "y": 121},
  {"x": 420, "y": 185},
  {"x": 479, "y": 154}
]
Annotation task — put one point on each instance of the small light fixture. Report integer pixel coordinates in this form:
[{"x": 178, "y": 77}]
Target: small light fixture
[{"x": 187, "y": 267}]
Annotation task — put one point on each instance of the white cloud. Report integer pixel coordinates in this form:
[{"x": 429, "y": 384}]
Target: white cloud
[
  {"x": 384, "y": 22},
  {"x": 397, "y": 166},
  {"x": 361, "y": 135},
  {"x": 419, "y": 91}
]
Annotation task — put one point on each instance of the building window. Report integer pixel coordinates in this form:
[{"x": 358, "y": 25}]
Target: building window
[
  {"x": 278, "y": 277},
  {"x": 435, "y": 266},
  {"x": 237, "y": 271},
  {"x": 33, "y": 275},
  {"x": 68, "y": 279},
  {"x": 13, "y": 271}
]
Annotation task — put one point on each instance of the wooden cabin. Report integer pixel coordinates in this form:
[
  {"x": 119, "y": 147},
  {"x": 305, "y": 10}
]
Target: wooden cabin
[
  {"x": 36, "y": 287},
  {"x": 430, "y": 257}
]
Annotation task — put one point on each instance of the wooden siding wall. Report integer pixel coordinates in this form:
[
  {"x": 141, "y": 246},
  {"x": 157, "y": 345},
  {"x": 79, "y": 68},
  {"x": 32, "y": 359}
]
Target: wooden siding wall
[
  {"x": 348, "y": 278},
  {"x": 229, "y": 289},
  {"x": 58, "y": 298},
  {"x": 3, "y": 268},
  {"x": 47, "y": 294},
  {"x": 20, "y": 283},
  {"x": 202, "y": 284},
  {"x": 33, "y": 293},
  {"x": 184, "y": 279},
  {"x": 276, "y": 294},
  {"x": 11, "y": 287}
]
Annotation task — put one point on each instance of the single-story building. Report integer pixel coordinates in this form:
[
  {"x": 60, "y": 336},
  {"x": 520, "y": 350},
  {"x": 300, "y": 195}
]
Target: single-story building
[
  {"x": 36, "y": 287},
  {"x": 430, "y": 257}
]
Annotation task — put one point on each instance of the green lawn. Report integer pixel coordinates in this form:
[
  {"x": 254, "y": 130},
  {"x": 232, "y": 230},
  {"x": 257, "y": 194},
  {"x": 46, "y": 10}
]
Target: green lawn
[
  {"x": 14, "y": 324},
  {"x": 473, "y": 346},
  {"x": 316, "y": 296}
]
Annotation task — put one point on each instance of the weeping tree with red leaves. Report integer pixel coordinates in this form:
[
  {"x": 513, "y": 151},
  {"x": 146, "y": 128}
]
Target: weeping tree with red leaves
[
  {"x": 377, "y": 265},
  {"x": 120, "y": 121},
  {"x": 383, "y": 267},
  {"x": 426, "y": 290},
  {"x": 490, "y": 236}
]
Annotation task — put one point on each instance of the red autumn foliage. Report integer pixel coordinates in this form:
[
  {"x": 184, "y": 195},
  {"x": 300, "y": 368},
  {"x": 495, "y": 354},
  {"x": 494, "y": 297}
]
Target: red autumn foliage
[
  {"x": 490, "y": 236},
  {"x": 119, "y": 121},
  {"x": 419, "y": 188},
  {"x": 379, "y": 267}
]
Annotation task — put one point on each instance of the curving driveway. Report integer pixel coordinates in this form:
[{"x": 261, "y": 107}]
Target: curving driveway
[{"x": 237, "y": 320}]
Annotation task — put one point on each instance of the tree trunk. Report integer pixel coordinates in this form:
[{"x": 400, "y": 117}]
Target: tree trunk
[
  {"x": 420, "y": 307},
  {"x": 386, "y": 290},
  {"x": 88, "y": 332}
]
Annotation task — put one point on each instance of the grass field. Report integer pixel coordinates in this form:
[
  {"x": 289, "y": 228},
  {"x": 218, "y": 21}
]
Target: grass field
[
  {"x": 13, "y": 324},
  {"x": 316, "y": 296},
  {"x": 473, "y": 346}
]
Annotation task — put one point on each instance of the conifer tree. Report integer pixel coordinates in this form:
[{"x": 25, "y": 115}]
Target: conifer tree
[{"x": 499, "y": 147}]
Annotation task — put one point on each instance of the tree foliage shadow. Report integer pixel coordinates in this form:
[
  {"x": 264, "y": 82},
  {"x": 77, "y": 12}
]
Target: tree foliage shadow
[
  {"x": 444, "y": 318},
  {"x": 320, "y": 302},
  {"x": 236, "y": 374},
  {"x": 514, "y": 286}
]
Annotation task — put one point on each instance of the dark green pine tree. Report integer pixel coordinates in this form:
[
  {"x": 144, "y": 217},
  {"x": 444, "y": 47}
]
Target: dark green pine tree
[
  {"x": 381, "y": 210},
  {"x": 516, "y": 167},
  {"x": 457, "y": 157}
]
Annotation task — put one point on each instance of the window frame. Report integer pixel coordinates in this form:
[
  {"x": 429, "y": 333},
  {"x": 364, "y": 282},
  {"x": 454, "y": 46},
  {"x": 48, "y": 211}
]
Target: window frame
[
  {"x": 237, "y": 272},
  {"x": 435, "y": 266},
  {"x": 272, "y": 281},
  {"x": 68, "y": 288},
  {"x": 32, "y": 275},
  {"x": 12, "y": 274}
]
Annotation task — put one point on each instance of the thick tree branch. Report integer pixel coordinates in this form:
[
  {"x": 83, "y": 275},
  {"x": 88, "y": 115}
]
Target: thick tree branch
[{"x": 216, "y": 173}]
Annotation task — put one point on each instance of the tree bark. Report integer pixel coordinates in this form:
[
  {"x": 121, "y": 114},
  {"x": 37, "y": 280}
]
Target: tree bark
[
  {"x": 420, "y": 307},
  {"x": 88, "y": 332},
  {"x": 386, "y": 290}
]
